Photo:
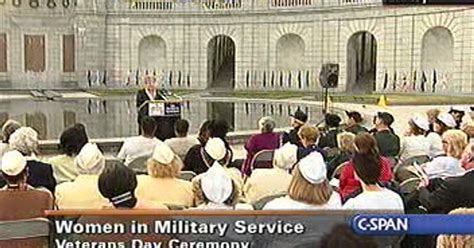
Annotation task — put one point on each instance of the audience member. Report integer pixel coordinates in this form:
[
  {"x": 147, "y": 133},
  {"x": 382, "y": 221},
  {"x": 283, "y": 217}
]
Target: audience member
[
  {"x": 457, "y": 114},
  {"x": 309, "y": 136},
  {"x": 364, "y": 145},
  {"x": 25, "y": 140},
  {"x": 387, "y": 141},
  {"x": 444, "y": 195},
  {"x": 267, "y": 182},
  {"x": 71, "y": 142},
  {"x": 443, "y": 123},
  {"x": 117, "y": 183},
  {"x": 83, "y": 192},
  {"x": 266, "y": 140},
  {"x": 345, "y": 143},
  {"x": 219, "y": 129},
  {"x": 309, "y": 188},
  {"x": 432, "y": 116},
  {"x": 140, "y": 146},
  {"x": 298, "y": 119},
  {"x": 8, "y": 128},
  {"x": 415, "y": 143},
  {"x": 182, "y": 142},
  {"x": 215, "y": 190},
  {"x": 15, "y": 172},
  {"x": 468, "y": 128},
  {"x": 164, "y": 168},
  {"x": 373, "y": 197},
  {"x": 192, "y": 160},
  {"x": 329, "y": 138},
  {"x": 456, "y": 241},
  {"x": 454, "y": 143},
  {"x": 354, "y": 121}
]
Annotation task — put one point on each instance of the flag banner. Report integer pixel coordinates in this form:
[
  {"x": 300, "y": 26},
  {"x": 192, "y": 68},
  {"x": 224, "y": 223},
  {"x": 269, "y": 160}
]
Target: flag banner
[{"x": 426, "y": 224}]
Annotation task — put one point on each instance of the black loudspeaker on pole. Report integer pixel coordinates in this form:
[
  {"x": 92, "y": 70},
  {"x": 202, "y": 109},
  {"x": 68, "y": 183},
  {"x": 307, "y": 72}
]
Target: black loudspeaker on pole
[{"x": 328, "y": 78}]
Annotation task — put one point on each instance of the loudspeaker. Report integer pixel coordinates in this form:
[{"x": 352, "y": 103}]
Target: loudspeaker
[{"x": 329, "y": 75}]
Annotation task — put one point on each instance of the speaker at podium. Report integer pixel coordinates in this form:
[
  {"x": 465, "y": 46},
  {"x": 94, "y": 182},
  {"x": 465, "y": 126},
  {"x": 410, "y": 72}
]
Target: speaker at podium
[{"x": 165, "y": 107}]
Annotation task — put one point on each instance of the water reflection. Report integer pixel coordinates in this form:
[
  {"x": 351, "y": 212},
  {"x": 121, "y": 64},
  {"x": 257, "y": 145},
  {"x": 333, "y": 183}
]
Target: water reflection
[{"x": 107, "y": 118}]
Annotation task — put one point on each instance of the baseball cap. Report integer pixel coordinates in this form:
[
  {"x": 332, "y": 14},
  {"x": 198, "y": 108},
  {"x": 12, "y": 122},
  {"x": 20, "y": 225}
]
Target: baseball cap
[{"x": 300, "y": 116}]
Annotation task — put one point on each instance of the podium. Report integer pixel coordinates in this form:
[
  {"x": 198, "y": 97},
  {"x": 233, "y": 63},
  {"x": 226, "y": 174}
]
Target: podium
[{"x": 165, "y": 112}]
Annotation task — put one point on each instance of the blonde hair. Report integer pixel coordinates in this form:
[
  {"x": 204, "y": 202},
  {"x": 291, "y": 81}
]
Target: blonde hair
[
  {"x": 469, "y": 129},
  {"x": 200, "y": 198},
  {"x": 432, "y": 113},
  {"x": 456, "y": 142},
  {"x": 308, "y": 133},
  {"x": 159, "y": 170},
  {"x": 24, "y": 140},
  {"x": 345, "y": 141},
  {"x": 303, "y": 191},
  {"x": 457, "y": 241}
]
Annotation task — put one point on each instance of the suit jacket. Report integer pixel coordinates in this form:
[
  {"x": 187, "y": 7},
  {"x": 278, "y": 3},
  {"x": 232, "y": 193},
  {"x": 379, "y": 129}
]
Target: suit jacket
[
  {"x": 40, "y": 175},
  {"x": 142, "y": 97},
  {"x": 449, "y": 194},
  {"x": 292, "y": 137}
]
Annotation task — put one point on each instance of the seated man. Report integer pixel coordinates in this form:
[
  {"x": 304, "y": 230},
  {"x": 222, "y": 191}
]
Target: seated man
[
  {"x": 354, "y": 123},
  {"x": 182, "y": 142},
  {"x": 387, "y": 141},
  {"x": 298, "y": 119},
  {"x": 140, "y": 146},
  {"x": 329, "y": 138},
  {"x": 83, "y": 192}
]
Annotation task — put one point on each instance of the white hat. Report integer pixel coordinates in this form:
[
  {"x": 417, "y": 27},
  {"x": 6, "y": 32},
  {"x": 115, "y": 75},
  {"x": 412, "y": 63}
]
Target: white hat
[
  {"x": 313, "y": 168},
  {"x": 286, "y": 156},
  {"x": 13, "y": 163},
  {"x": 163, "y": 153},
  {"x": 447, "y": 119},
  {"x": 90, "y": 160},
  {"x": 216, "y": 184},
  {"x": 215, "y": 147},
  {"x": 421, "y": 122}
]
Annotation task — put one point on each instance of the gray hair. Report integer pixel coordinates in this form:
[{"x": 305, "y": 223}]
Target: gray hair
[
  {"x": 8, "y": 128},
  {"x": 24, "y": 140},
  {"x": 266, "y": 124}
]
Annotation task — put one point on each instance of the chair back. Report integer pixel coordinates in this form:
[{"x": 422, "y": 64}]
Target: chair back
[
  {"x": 418, "y": 159},
  {"x": 263, "y": 159},
  {"x": 139, "y": 164},
  {"x": 187, "y": 175},
  {"x": 28, "y": 233},
  {"x": 409, "y": 185},
  {"x": 337, "y": 172},
  {"x": 16, "y": 205}
]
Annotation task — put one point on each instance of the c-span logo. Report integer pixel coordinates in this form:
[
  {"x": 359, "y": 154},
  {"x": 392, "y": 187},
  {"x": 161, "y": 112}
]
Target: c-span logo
[{"x": 380, "y": 225}]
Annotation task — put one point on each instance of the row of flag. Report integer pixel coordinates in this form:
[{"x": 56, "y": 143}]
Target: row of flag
[{"x": 413, "y": 84}]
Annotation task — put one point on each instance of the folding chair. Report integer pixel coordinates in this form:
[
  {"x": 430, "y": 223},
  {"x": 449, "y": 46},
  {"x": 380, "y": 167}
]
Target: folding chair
[
  {"x": 337, "y": 172},
  {"x": 28, "y": 233},
  {"x": 187, "y": 175},
  {"x": 139, "y": 164},
  {"x": 409, "y": 185},
  {"x": 263, "y": 159},
  {"x": 16, "y": 205}
]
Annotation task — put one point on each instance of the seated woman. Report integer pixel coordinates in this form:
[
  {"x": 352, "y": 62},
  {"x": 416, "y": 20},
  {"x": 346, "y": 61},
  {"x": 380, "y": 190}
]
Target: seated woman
[
  {"x": 415, "y": 143},
  {"x": 71, "y": 142},
  {"x": 441, "y": 124},
  {"x": 364, "y": 144},
  {"x": 454, "y": 143},
  {"x": 117, "y": 183},
  {"x": 215, "y": 190},
  {"x": 15, "y": 172},
  {"x": 373, "y": 196},
  {"x": 309, "y": 188},
  {"x": 25, "y": 140},
  {"x": 309, "y": 137},
  {"x": 345, "y": 143},
  {"x": 163, "y": 170},
  {"x": 8, "y": 128},
  {"x": 266, "y": 140},
  {"x": 262, "y": 181}
]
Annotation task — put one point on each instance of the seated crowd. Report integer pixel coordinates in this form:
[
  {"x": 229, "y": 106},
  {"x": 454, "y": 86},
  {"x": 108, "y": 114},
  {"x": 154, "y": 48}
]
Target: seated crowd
[{"x": 428, "y": 169}]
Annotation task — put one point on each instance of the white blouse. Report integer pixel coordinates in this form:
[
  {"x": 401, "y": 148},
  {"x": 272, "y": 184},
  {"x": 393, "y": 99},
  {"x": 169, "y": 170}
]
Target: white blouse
[
  {"x": 441, "y": 167},
  {"x": 286, "y": 203},
  {"x": 412, "y": 146}
]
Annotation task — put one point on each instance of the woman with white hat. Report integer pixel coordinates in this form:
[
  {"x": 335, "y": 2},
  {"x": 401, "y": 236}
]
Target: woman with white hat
[
  {"x": 309, "y": 188},
  {"x": 83, "y": 192},
  {"x": 415, "y": 142},
  {"x": 443, "y": 123},
  {"x": 215, "y": 190},
  {"x": 262, "y": 181},
  {"x": 161, "y": 185},
  {"x": 25, "y": 140}
]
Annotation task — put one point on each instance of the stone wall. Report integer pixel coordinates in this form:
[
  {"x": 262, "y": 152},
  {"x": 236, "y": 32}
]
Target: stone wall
[{"x": 108, "y": 36}]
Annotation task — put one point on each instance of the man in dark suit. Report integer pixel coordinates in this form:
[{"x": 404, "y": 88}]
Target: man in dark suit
[
  {"x": 149, "y": 92},
  {"x": 298, "y": 119},
  {"x": 442, "y": 196}
]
